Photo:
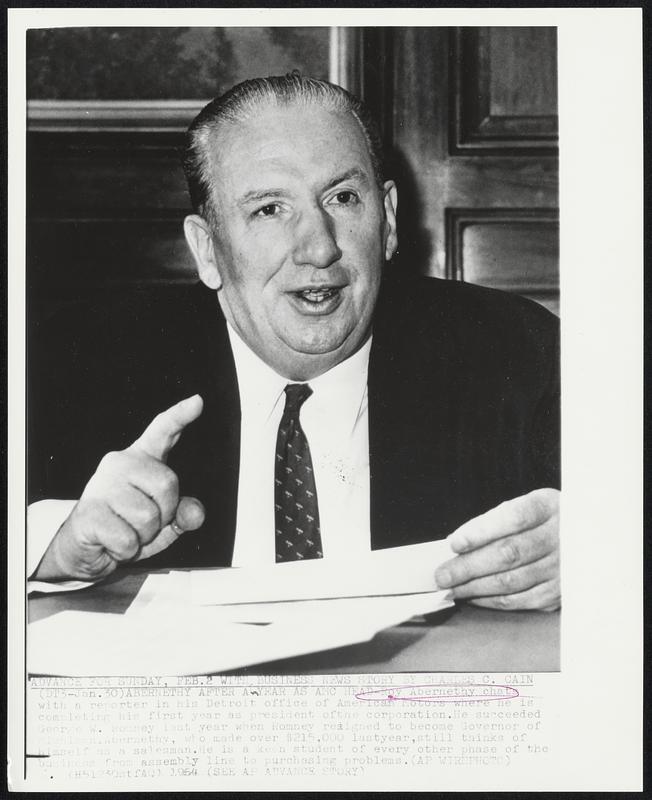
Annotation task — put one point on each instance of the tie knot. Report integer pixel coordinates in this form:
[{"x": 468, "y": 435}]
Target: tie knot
[{"x": 295, "y": 396}]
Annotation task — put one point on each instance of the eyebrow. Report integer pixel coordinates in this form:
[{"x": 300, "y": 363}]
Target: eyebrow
[
  {"x": 263, "y": 194},
  {"x": 256, "y": 195},
  {"x": 356, "y": 172}
]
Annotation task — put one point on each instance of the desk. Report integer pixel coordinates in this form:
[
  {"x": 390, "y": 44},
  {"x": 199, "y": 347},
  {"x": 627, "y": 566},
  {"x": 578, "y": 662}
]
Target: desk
[{"x": 463, "y": 639}]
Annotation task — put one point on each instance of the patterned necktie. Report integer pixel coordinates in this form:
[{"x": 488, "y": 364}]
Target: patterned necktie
[{"x": 295, "y": 493}]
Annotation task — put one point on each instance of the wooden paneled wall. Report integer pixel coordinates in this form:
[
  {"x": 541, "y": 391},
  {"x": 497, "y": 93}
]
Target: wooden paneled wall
[{"x": 472, "y": 132}]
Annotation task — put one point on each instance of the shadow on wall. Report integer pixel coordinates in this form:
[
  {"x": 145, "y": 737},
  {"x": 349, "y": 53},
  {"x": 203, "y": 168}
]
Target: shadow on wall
[{"x": 415, "y": 245}]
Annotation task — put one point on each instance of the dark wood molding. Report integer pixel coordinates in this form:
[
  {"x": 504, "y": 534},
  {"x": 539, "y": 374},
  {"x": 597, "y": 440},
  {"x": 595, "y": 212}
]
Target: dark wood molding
[
  {"x": 458, "y": 219},
  {"x": 474, "y": 130}
]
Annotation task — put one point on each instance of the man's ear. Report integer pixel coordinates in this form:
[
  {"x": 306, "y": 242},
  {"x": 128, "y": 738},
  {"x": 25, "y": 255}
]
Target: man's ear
[
  {"x": 390, "y": 201},
  {"x": 200, "y": 241}
]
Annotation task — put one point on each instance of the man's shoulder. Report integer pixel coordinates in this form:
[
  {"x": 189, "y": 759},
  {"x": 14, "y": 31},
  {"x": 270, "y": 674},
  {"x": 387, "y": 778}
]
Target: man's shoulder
[
  {"x": 425, "y": 304},
  {"x": 451, "y": 299},
  {"x": 422, "y": 319}
]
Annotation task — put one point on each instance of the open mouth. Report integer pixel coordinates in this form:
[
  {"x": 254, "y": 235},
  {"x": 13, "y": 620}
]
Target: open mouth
[
  {"x": 319, "y": 295},
  {"x": 317, "y": 300}
]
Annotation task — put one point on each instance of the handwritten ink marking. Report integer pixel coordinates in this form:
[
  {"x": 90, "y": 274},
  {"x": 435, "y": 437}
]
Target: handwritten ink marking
[{"x": 440, "y": 693}]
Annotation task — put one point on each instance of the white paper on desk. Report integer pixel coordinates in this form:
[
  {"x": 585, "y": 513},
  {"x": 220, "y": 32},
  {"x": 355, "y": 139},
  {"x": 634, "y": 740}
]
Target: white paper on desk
[
  {"x": 393, "y": 571},
  {"x": 380, "y": 608},
  {"x": 190, "y": 640}
]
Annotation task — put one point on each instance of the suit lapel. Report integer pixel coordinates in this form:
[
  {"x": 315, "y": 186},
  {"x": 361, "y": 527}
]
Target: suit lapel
[{"x": 411, "y": 419}]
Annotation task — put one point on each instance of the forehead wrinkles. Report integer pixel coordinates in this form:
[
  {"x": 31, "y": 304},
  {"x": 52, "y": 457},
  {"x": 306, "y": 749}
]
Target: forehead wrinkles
[{"x": 214, "y": 139}]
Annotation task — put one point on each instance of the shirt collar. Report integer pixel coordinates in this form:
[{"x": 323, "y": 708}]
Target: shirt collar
[{"x": 339, "y": 392}]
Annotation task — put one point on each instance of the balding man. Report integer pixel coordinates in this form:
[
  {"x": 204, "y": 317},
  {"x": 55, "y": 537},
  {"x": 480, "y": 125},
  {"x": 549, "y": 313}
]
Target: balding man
[{"x": 312, "y": 404}]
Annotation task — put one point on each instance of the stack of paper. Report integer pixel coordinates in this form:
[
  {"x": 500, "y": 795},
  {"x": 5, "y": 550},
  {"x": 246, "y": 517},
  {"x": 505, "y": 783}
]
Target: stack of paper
[
  {"x": 196, "y": 622},
  {"x": 394, "y": 571}
]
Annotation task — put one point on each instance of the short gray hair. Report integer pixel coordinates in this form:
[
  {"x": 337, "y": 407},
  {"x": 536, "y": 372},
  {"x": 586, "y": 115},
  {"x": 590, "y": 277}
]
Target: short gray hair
[{"x": 244, "y": 99}]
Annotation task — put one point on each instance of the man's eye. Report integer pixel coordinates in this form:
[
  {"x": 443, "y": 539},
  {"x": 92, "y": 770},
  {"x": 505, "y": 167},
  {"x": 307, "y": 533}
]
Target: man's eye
[
  {"x": 346, "y": 197},
  {"x": 267, "y": 211}
]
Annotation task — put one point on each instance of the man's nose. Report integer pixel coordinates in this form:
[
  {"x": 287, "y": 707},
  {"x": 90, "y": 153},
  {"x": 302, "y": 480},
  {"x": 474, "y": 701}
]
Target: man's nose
[{"x": 315, "y": 240}]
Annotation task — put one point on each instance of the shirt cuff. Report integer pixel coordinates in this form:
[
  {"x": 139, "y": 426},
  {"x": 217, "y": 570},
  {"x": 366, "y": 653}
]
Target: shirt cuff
[{"x": 43, "y": 521}]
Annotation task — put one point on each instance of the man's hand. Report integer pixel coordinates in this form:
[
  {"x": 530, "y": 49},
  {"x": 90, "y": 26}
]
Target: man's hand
[
  {"x": 509, "y": 556},
  {"x": 130, "y": 508}
]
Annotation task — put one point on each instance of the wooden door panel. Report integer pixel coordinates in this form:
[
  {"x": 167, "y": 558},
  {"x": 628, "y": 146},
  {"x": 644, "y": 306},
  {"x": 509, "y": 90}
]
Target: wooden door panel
[
  {"x": 493, "y": 254},
  {"x": 505, "y": 89},
  {"x": 474, "y": 139},
  {"x": 509, "y": 249}
]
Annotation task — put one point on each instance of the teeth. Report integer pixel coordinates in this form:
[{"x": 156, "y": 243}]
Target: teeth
[{"x": 316, "y": 295}]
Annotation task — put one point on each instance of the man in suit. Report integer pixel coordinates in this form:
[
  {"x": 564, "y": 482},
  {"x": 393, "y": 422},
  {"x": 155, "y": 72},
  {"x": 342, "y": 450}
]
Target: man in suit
[{"x": 410, "y": 409}]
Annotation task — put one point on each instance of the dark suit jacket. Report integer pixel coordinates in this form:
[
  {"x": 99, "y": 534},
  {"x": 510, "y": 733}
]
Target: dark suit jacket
[{"x": 463, "y": 404}]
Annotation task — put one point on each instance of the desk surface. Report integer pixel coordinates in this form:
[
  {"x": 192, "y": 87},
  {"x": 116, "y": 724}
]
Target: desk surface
[{"x": 463, "y": 639}]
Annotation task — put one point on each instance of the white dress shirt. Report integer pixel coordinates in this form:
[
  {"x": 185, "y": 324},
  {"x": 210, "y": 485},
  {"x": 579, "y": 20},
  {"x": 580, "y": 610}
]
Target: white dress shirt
[{"x": 336, "y": 423}]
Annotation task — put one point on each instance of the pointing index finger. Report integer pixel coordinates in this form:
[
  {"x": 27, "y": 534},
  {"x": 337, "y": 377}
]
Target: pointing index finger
[{"x": 164, "y": 430}]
